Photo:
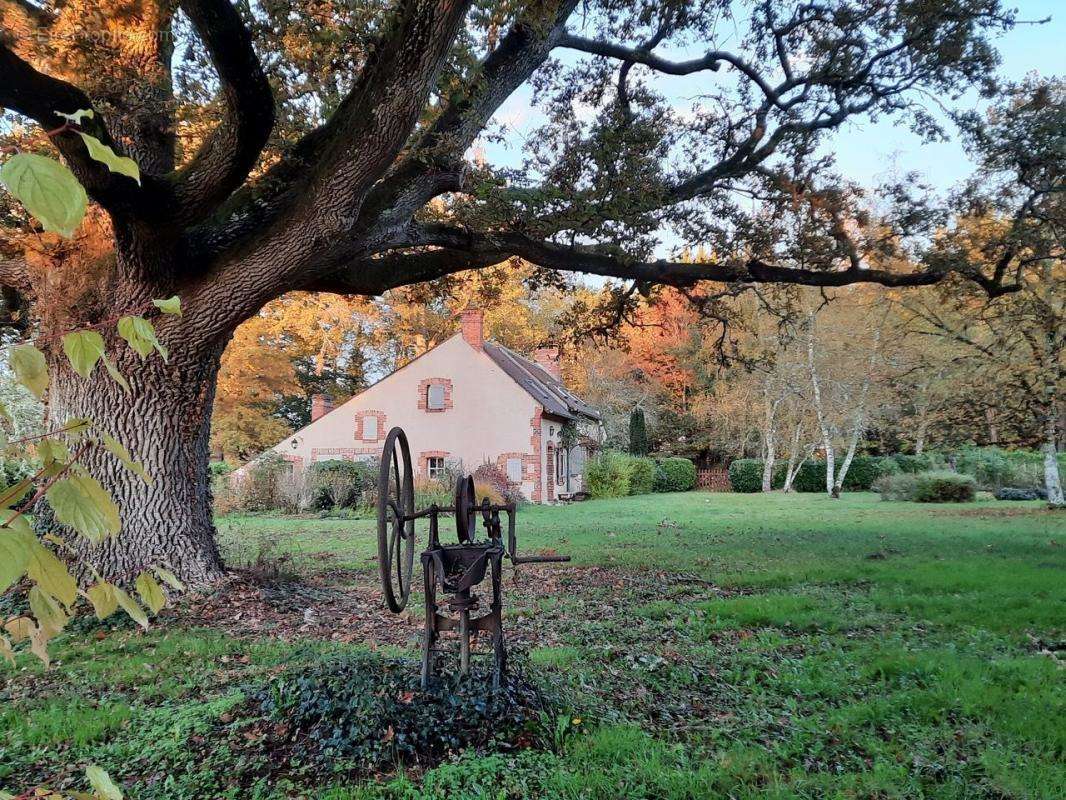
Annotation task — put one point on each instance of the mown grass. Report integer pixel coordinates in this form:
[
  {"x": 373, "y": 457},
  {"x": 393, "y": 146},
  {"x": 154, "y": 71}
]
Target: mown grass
[{"x": 857, "y": 648}]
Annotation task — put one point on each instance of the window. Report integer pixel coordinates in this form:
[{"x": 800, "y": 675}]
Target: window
[
  {"x": 370, "y": 429},
  {"x": 514, "y": 470},
  {"x": 560, "y": 466},
  {"x": 435, "y": 396},
  {"x": 435, "y": 467}
]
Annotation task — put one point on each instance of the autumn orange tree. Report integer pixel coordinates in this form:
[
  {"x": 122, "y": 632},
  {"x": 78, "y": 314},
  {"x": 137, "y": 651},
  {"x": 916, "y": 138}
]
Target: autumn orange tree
[{"x": 320, "y": 146}]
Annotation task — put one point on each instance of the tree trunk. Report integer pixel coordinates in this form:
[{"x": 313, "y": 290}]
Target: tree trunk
[
  {"x": 165, "y": 424},
  {"x": 769, "y": 439},
  {"x": 823, "y": 425}
]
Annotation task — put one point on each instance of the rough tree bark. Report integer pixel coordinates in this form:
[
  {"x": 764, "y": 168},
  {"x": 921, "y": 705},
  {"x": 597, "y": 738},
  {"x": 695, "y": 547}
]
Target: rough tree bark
[{"x": 165, "y": 420}]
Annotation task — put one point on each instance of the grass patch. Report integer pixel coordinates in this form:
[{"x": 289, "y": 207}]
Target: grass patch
[{"x": 721, "y": 645}]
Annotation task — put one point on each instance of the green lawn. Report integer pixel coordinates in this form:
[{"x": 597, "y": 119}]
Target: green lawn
[{"x": 710, "y": 645}]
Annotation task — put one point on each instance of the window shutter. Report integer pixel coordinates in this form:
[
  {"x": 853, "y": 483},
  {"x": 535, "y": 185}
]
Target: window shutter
[
  {"x": 370, "y": 428},
  {"x": 514, "y": 470},
  {"x": 435, "y": 396}
]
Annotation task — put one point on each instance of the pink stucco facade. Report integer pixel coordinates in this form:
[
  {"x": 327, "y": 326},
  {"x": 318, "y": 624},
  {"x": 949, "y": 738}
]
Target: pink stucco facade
[{"x": 484, "y": 416}]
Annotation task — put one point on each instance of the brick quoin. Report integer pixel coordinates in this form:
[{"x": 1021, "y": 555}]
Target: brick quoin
[
  {"x": 534, "y": 441},
  {"x": 423, "y": 389},
  {"x": 382, "y": 432}
]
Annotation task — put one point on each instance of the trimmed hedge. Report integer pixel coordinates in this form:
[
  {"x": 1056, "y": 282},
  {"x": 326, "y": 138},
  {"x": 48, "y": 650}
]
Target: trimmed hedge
[
  {"x": 641, "y": 475},
  {"x": 745, "y": 474},
  {"x": 675, "y": 475}
]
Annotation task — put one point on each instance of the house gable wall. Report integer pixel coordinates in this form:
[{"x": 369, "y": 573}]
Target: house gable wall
[{"x": 486, "y": 415}]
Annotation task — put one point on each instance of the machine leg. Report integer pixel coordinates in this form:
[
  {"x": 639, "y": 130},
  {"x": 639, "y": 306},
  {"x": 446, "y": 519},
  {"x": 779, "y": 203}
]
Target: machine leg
[
  {"x": 429, "y": 639},
  {"x": 499, "y": 673},
  {"x": 464, "y": 641}
]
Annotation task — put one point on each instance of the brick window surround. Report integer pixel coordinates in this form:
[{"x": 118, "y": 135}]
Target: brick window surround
[
  {"x": 423, "y": 394},
  {"x": 360, "y": 416},
  {"x": 425, "y": 456}
]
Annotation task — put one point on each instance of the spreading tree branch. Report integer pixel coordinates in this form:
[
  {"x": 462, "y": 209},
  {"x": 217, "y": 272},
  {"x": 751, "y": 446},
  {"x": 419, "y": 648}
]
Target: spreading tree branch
[{"x": 229, "y": 153}]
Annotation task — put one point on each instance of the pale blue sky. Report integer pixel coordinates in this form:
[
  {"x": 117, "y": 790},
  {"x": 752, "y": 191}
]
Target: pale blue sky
[{"x": 866, "y": 152}]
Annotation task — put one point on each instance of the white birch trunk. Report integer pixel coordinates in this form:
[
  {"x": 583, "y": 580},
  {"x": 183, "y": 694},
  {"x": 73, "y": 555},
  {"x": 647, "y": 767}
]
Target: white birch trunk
[{"x": 819, "y": 411}]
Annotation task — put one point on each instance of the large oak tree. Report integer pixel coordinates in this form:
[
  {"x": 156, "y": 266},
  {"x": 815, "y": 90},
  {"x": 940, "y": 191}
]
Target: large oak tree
[{"x": 320, "y": 146}]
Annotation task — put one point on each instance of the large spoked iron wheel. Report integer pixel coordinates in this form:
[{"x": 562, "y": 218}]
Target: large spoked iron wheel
[{"x": 396, "y": 528}]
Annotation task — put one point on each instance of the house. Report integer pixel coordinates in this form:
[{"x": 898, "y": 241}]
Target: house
[{"x": 467, "y": 401}]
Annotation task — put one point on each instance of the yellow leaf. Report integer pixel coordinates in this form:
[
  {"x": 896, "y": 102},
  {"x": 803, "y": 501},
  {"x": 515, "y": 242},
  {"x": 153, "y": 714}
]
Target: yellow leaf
[
  {"x": 30, "y": 368},
  {"x": 116, "y": 376},
  {"x": 129, "y": 605},
  {"x": 83, "y": 349},
  {"x": 47, "y": 611},
  {"x": 122, "y": 165},
  {"x": 50, "y": 574},
  {"x": 19, "y": 628},
  {"x": 15, "y": 547},
  {"x": 102, "y": 784},
  {"x": 151, "y": 592},
  {"x": 102, "y": 596},
  {"x": 172, "y": 305},
  {"x": 140, "y": 334},
  {"x": 82, "y": 503},
  {"x": 169, "y": 578},
  {"x": 39, "y": 645},
  {"x": 116, "y": 448}
]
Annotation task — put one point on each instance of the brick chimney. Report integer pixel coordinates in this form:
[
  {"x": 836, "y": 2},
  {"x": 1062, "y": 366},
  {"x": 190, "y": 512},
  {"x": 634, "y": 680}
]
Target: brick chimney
[
  {"x": 548, "y": 358},
  {"x": 320, "y": 406},
  {"x": 472, "y": 324}
]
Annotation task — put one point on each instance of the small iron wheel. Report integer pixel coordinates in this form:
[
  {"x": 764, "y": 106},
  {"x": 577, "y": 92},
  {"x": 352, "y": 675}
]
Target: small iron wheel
[
  {"x": 396, "y": 528},
  {"x": 465, "y": 509}
]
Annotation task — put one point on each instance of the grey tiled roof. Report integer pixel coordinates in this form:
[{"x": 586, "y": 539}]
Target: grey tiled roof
[{"x": 542, "y": 386}]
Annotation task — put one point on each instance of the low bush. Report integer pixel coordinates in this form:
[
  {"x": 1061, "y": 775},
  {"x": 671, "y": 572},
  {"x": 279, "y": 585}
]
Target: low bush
[
  {"x": 641, "y": 475},
  {"x": 994, "y": 467},
  {"x": 607, "y": 474},
  {"x": 945, "y": 487},
  {"x": 928, "y": 487},
  {"x": 745, "y": 475},
  {"x": 1015, "y": 493},
  {"x": 675, "y": 475},
  {"x": 431, "y": 490},
  {"x": 900, "y": 486},
  {"x": 372, "y": 711},
  {"x": 864, "y": 470},
  {"x": 339, "y": 483},
  {"x": 268, "y": 484}
]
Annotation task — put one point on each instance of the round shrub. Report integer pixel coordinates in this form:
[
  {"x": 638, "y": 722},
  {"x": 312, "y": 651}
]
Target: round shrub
[
  {"x": 898, "y": 486},
  {"x": 675, "y": 475},
  {"x": 641, "y": 475},
  {"x": 945, "y": 487},
  {"x": 745, "y": 475},
  {"x": 607, "y": 474}
]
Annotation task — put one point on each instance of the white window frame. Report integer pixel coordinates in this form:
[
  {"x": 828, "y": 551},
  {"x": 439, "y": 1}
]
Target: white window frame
[
  {"x": 439, "y": 387},
  {"x": 433, "y": 469}
]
